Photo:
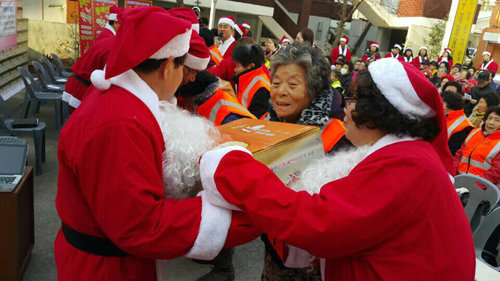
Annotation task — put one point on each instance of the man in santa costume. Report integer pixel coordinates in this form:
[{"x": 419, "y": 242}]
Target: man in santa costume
[
  {"x": 247, "y": 27},
  {"x": 395, "y": 53},
  {"x": 488, "y": 63},
  {"x": 112, "y": 24},
  {"x": 111, "y": 197},
  {"x": 378, "y": 221},
  {"x": 225, "y": 69},
  {"x": 341, "y": 49}
]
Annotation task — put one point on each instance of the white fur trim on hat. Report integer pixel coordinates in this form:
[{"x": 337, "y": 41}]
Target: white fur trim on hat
[
  {"x": 214, "y": 226},
  {"x": 392, "y": 80},
  {"x": 112, "y": 16},
  {"x": 343, "y": 39},
  {"x": 196, "y": 63},
  {"x": 99, "y": 81},
  {"x": 286, "y": 40},
  {"x": 486, "y": 53},
  {"x": 196, "y": 27},
  {"x": 177, "y": 47},
  {"x": 374, "y": 45},
  {"x": 246, "y": 25},
  {"x": 226, "y": 20},
  {"x": 423, "y": 47},
  {"x": 398, "y": 46},
  {"x": 238, "y": 29},
  {"x": 448, "y": 51}
]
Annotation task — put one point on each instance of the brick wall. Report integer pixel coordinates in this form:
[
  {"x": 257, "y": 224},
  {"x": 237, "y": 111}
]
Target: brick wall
[{"x": 437, "y": 9}]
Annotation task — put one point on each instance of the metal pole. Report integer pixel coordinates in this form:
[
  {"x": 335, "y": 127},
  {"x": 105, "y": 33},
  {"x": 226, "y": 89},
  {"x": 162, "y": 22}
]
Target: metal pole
[{"x": 212, "y": 14}]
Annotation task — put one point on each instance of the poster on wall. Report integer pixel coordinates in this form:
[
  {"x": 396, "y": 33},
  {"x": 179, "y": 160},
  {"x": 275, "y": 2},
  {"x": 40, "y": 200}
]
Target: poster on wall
[
  {"x": 101, "y": 11},
  {"x": 8, "y": 24},
  {"x": 461, "y": 28},
  {"x": 138, "y": 3},
  {"x": 85, "y": 24}
]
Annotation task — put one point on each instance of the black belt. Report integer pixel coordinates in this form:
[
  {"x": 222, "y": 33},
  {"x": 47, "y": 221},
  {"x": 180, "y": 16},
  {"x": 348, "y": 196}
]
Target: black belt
[
  {"x": 91, "y": 244},
  {"x": 81, "y": 80}
]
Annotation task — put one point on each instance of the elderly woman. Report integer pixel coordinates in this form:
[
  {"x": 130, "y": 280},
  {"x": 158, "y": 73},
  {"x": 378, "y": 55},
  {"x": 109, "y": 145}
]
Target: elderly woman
[
  {"x": 301, "y": 93},
  {"x": 386, "y": 218},
  {"x": 486, "y": 102}
]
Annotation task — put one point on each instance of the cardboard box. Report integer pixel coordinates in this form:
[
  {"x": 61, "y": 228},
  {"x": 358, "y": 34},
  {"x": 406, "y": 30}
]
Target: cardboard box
[{"x": 285, "y": 148}]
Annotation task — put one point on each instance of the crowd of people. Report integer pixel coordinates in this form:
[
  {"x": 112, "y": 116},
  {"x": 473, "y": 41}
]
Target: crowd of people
[{"x": 147, "y": 101}]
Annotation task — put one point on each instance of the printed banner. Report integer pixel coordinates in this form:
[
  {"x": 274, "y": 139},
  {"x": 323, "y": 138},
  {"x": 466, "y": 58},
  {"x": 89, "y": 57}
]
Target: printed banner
[
  {"x": 138, "y": 3},
  {"x": 85, "y": 24},
  {"x": 101, "y": 11},
  {"x": 8, "y": 24},
  {"x": 461, "y": 28}
]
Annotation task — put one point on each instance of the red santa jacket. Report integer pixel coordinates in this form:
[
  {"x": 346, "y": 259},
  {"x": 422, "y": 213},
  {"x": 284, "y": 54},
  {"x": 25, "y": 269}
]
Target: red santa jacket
[
  {"x": 490, "y": 66},
  {"x": 110, "y": 187},
  {"x": 378, "y": 223},
  {"x": 94, "y": 58},
  {"x": 106, "y": 33},
  {"x": 337, "y": 51},
  {"x": 417, "y": 61},
  {"x": 366, "y": 58},
  {"x": 398, "y": 56}
]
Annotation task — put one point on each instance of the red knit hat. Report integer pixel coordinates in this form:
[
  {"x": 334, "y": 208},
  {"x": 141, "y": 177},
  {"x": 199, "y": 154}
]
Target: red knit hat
[
  {"x": 345, "y": 39},
  {"x": 113, "y": 12},
  {"x": 186, "y": 14},
  {"x": 411, "y": 93},
  {"x": 284, "y": 39},
  {"x": 145, "y": 32},
  {"x": 198, "y": 56},
  {"x": 228, "y": 20}
]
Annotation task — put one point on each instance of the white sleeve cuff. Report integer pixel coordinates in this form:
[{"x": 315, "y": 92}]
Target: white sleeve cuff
[
  {"x": 214, "y": 226},
  {"x": 208, "y": 166}
]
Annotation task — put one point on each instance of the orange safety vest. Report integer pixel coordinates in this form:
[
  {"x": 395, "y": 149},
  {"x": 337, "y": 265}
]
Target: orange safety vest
[
  {"x": 249, "y": 83},
  {"x": 215, "y": 54},
  {"x": 456, "y": 121},
  {"x": 479, "y": 152},
  {"x": 332, "y": 133},
  {"x": 220, "y": 105}
]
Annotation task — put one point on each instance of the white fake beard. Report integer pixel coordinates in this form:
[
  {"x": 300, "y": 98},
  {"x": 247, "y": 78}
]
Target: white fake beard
[
  {"x": 329, "y": 168},
  {"x": 187, "y": 137}
]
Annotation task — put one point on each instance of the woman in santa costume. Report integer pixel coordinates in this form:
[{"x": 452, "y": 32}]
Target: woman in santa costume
[
  {"x": 387, "y": 217},
  {"x": 372, "y": 54},
  {"x": 341, "y": 49},
  {"x": 111, "y": 198},
  {"x": 422, "y": 56},
  {"x": 488, "y": 63},
  {"x": 446, "y": 57},
  {"x": 395, "y": 53}
]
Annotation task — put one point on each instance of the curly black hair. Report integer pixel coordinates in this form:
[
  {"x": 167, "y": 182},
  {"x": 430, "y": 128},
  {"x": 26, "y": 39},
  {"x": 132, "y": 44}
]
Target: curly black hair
[{"x": 375, "y": 112}]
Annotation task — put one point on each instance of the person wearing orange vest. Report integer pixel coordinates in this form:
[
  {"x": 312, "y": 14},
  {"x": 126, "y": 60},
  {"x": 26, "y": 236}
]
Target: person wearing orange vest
[
  {"x": 205, "y": 97},
  {"x": 215, "y": 55},
  {"x": 252, "y": 82},
  {"x": 479, "y": 154},
  {"x": 457, "y": 123}
]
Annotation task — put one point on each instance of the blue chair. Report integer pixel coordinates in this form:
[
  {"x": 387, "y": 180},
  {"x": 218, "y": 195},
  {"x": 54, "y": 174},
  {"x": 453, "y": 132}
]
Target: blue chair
[
  {"x": 38, "y": 133},
  {"x": 36, "y": 95}
]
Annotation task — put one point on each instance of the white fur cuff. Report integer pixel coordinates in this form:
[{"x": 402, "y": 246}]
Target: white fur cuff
[
  {"x": 74, "y": 102},
  {"x": 66, "y": 96},
  {"x": 214, "y": 226},
  {"x": 208, "y": 165}
]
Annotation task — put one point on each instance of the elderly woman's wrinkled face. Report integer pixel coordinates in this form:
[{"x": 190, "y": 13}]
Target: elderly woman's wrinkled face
[
  {"x": 492, "y": 124},
  {"x": 289, "y": 92}
]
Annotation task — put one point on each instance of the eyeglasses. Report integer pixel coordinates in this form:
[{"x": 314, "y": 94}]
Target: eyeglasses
[{"x": 349, "y": 101}]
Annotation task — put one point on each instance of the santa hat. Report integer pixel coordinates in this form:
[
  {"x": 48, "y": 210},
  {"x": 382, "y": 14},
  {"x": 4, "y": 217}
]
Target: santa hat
[
  {"x": 486, "y": 53},
  {"x": 375, "y": 44},
  {"x": 196, "y": 8},
  {"x": 227, "y": 20},
  {"x": 186, "y": 14},
  {"x": 423, "y": 47},
  {"x": 246, "y": 25},
  {"x": 239, "y": 28},
  {"x": 447, "y": 50},
  {"x": 344, "y": 39},
  {"x": 198, "y": 55},
  {"x": 449, "y": 77},
  {"x": 113, "y": 12},
  {"x": 411, "y": 93},
  {"x": 284, "y": 39},
  {"x": 145, "y": 33},
  {"x": 398, "y": 47}
]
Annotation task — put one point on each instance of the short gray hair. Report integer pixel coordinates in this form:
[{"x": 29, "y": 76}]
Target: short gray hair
[{"x": 312, "y": 60}]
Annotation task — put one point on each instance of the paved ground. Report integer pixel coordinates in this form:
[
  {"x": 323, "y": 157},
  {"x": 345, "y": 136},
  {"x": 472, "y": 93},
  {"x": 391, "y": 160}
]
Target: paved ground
[{"x": 248, "y": 258}]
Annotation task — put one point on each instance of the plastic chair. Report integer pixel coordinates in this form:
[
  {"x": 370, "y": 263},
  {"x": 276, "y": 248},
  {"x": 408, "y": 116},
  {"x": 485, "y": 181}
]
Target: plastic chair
[
  {"x": 36, "y": 95},
  {"x": 38, "y": 133},
  {"x": 44, "y": 79},
  {"x": 60, "y": 66},
  {"x": 481, "y": 201},
  {"x": 484, "y": 232},
  {"x": 54, "y": 76}
]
